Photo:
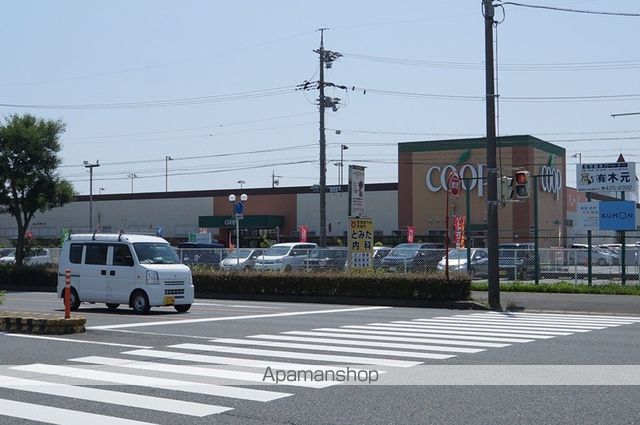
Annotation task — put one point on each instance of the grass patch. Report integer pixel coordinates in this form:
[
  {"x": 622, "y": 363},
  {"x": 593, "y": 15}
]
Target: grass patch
[{"x": 561, "y": 287}]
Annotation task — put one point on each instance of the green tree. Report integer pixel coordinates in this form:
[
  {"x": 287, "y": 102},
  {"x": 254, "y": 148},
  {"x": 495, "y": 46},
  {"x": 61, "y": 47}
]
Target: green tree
[{"x": 29, "y": 161}]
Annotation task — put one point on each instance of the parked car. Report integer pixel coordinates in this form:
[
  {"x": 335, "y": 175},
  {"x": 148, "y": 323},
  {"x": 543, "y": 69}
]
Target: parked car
[
  {"x": 201, "y": 253},
  {"x": 326, "y": 259},
  {"x": 413, "y": 257},
  {"x": 599, "y": 256},
  {"x": 284, "y": 256},
  {"x": 516, "y": 260},
  {"x": 478, "y": 267},
  {"x": 241, "y": 259},
  {"x": 38, "y": 256}
]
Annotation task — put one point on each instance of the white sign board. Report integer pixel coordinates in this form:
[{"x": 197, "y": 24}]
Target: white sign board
[
  {"x": 356, "y": 191},
  {"x": 588, "y": 217},
  {"x": 611, "y": 177},
  {"x": 203, "y": 238}
]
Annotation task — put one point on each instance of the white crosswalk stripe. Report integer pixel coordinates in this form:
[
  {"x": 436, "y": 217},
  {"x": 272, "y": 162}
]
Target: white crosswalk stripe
[{"x": 399, "y": 343}]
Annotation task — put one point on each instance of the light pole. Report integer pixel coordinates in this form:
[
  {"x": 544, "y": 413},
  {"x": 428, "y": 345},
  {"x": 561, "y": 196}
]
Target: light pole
[
  {"x": 342, "y": 149},
  {"x": 238, "y": 209},
  {"x": 100, "y": 190},
  {"x": 91, "y": 166},
  {"x": 241, "y": 182},
  {"x": 577, "y": 155},
  {"x": 167, "y": 158},
  {"x": 132, "y": 176}
]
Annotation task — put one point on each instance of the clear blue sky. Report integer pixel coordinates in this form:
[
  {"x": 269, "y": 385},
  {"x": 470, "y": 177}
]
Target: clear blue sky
[{"x": 102, "y": 53}]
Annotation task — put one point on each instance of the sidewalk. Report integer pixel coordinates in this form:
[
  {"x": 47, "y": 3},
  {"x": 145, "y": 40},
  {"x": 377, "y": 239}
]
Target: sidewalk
[{"x": 530, "y": 301}]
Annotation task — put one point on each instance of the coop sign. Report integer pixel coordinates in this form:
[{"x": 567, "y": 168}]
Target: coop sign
[
  {"x": 472, "y": 176},
  {"x": 550, "y": 180}
]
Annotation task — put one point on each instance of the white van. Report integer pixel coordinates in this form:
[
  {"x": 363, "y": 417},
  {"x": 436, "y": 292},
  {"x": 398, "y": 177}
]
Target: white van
[
  {"x": 136, "y": 270},
  {"x": 284, "y": 257}
]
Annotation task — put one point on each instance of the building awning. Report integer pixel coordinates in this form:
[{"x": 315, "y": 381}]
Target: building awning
[{"x": 255, "y": 221}]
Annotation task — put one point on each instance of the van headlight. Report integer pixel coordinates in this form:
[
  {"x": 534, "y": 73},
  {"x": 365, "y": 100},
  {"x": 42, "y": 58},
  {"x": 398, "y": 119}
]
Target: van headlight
[{"x": 152, "y": 277}]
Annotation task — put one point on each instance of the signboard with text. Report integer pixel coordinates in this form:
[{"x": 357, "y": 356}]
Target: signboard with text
[
  {"x": 606, "y": 215},
  {"x": 610, "y": 177},
  {"x": 360, "y": 241},
  {"x": 356, "y": 191}
]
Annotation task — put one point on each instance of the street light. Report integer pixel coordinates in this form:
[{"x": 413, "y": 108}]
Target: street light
[
  {"x": 577, "y": 155},
  {"x": 238, "y": 209},
  {"x": 91, "y": 166},
  {"x": 132, "y": 176},
  {"x": 342, "y": 149},
  {"x": 167, "y": 158},
  {"x": 241, "y": 182}
]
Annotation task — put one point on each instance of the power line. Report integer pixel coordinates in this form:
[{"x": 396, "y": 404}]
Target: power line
[{"x": 562, "y": 9}]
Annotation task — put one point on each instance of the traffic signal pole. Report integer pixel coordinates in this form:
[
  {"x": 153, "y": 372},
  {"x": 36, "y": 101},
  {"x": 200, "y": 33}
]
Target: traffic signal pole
[{"x": 492, "y": 188}]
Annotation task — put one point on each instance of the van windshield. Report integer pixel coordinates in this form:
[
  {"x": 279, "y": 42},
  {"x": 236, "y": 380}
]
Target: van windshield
[
  {"x": 277, "y": 251},
  {"x": 155, "y": 253}
]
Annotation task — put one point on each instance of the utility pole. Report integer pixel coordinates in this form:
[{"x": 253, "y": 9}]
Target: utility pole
[
  {"x": 323, "y": 149},
  {"x": 274, "y": 182},
  {"x": 492, "y": 188},
  {"x": 132, "y": 176}
]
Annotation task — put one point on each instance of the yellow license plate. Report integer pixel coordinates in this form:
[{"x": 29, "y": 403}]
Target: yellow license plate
[{"x": 169, "y": 300}]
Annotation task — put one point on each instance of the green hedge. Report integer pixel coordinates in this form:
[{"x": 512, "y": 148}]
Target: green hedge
[
  {"x": 562, "y": 287},
  {"x": 432, "y": 287},
  {"x": 44, "y": 277}
]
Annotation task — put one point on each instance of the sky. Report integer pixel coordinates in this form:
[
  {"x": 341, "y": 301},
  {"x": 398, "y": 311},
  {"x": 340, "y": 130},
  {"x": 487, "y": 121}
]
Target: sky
[{"x": 212, "y": 84}]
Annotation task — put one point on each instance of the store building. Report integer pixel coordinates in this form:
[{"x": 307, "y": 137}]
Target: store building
[{"x": 424, "y": 167}]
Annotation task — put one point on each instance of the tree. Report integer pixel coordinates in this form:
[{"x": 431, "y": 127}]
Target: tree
[{"x": 29, "y": 181}]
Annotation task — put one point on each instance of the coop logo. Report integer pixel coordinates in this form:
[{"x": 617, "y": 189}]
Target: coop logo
[
  {"x": 472, "y": 177},
  {"x": 550, "y": 180}
]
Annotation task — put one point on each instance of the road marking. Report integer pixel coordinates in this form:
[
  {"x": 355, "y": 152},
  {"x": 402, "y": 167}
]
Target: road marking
[
  {"x": 55, "y": 415},
  {"x": 299, "y": 355},
  {"x": 190, "y": 370},
  {"x": 393, "y": 339},
  {"x": 111, "y": 397},
  {"x": 259, "y": 307},
  {"x": 404, "y": 333},
  {"x": 145, "y": 381},
  {"x": 563, "y": 317},
  {"x": 439, "y": 330},
  {"x": 230, "y": 361},
  {"x": 522, "y": 322},
  {"x": 444, "y": 324},
  {"x": 79, "y": 341},
  {"x": 417, "y": 347},
  {"x": 221, "y": 319},
  {"x": 337, "y": 349}
]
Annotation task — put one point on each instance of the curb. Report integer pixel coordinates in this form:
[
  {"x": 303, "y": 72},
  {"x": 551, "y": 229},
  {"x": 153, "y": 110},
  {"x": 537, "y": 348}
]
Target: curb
[{"x": 40, "y": 323}]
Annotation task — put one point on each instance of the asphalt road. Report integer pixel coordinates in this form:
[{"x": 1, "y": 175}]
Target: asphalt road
[{"x": 433, "y": 366}]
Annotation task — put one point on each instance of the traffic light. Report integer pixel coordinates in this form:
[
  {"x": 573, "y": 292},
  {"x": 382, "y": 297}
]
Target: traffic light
[
  {"x": 506, "y": 188},
  {"x": 522, "y": 184}
]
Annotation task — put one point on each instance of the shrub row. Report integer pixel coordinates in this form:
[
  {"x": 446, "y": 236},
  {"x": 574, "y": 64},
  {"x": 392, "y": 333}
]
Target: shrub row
[
  {"x": 433, "y": 287},
  {"x": 40, "y": 277},
  {"x": 562, "y": 287}
]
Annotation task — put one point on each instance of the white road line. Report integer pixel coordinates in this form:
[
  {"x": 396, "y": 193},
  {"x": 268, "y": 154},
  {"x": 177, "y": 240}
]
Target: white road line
[
  {"x": 356, "y": 342},
  {"x": 335, "y": 334},
  {"x": 190, "y": 370},
  {"x": 222, "y": 319},
  {"x": 451, "y": 331},
  {"x": 55, "y": 415},
  {"x": 79, "y": 341},
  {"x": 333, "y": 348},
  {"x": 258, "y": 307},
  {"x": 580, "y": 316},
  {"x": 445, "y": 324},
  {"x": 525, "y": 322},
  {"x": 111, "y": 397},
  {"x": 577, "y": 320},
  {"x": 299, "y": 355},
  {"x": 421, "y": 335},
  {"x": 496, "y": 324},
  {"x": 145, "y": 381},
  {"x": 230, "y": 361}
]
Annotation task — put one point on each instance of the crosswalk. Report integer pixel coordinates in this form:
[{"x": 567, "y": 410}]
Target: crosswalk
[{"x": 226, "y": 371}]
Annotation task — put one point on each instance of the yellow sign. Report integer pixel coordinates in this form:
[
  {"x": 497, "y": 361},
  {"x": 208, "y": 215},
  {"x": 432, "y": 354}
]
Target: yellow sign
[{"x": 360, "y": 241}]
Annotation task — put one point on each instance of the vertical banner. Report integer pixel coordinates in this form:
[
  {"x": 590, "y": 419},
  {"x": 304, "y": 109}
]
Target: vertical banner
[
  {"x": 356, "y": 191},
  {"x": 411, "y": 230},
  {"x": 459, "y": 224},
  {"x": 304, "y": 231},
  {"x": 360, "y": 241}
]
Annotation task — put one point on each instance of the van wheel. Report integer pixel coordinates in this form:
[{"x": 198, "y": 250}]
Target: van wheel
[
  {"x": 112, "y": 307},
  {"x": 74, "y": 301},
  {"x": 247, "y": 268},
  {"x": 182, "y": 308},
  {"x": 140, "y": 302},
  {"x": 288, "y": 268}
]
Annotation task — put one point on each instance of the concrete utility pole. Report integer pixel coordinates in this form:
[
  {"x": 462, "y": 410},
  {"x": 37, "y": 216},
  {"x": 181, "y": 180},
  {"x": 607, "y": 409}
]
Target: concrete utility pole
[
  {"x": 492, "y": 188},
  {"x": 323, "y": 149}
]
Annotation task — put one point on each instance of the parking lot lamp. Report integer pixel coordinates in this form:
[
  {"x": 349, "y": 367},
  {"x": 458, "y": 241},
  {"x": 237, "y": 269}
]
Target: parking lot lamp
[
  {"x": 238, "y": 209},
  {"x": 91, "y": 166}
]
